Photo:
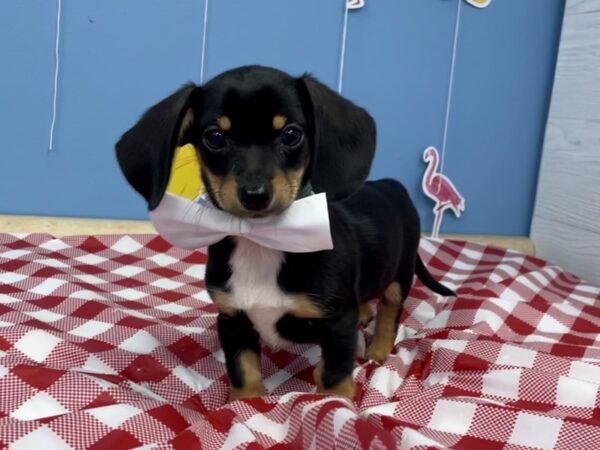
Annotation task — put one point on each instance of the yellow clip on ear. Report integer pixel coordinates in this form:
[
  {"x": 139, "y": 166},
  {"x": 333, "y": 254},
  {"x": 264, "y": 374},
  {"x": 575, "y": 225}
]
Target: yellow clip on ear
[{"x": 185, "y": 180}]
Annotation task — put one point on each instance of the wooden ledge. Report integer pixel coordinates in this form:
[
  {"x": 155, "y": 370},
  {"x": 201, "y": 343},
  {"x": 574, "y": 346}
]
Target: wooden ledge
[{"x": 67, "y": 226}]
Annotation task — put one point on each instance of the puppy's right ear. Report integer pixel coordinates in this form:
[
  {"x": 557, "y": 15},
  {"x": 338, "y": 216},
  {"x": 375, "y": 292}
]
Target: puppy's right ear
[
  {"x": 343, "y": 139},
  {"x": 145, "y": 152}
]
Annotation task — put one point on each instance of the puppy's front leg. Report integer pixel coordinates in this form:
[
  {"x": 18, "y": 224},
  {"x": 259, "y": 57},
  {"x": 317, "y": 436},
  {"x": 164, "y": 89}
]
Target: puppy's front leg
[
  {"x": 241, "y": 345},
  {"x": 333, "y": 373}
]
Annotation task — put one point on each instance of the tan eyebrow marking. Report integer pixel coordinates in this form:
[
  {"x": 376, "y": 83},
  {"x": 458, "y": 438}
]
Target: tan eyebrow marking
[
  {"x": 279, "y": 121},
  {"x": 224, "y": 123}
]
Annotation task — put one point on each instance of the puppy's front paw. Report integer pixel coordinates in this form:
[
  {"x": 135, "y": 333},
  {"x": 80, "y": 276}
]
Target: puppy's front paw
[
  {"x": 378, "y": 353},
  {"x": 257, "y": 390},
  {"x": 345, "y": 387},
  {"x": 250, "y": 383}
]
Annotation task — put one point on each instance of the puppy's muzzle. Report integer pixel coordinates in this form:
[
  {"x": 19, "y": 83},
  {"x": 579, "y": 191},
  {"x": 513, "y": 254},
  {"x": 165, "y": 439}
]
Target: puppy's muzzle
[{"x": 255, "y": 197}]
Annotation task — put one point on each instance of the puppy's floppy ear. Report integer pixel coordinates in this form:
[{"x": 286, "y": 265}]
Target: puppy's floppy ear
[
  {"x": 145, "y": 152},
  {"x": 344, "y": 138}
]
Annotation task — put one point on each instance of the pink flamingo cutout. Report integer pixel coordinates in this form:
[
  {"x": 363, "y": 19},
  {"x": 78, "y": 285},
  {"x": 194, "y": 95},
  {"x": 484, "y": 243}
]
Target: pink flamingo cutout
[{"x": 441, "y": 190}]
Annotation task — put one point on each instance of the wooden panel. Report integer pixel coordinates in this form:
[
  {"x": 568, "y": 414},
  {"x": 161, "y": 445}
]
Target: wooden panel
[
  {"x": 574, "y": 249},
  {"x": 581, "y": 6},
  {"x": 569, "y": 187},
  {"x": 566, "y": 220},
  {"x": 576, "y": 92}
]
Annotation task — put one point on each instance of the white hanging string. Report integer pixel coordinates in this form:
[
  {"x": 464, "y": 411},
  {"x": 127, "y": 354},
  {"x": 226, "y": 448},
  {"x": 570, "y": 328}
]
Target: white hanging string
[
  {"x": 203, "y": 42},
  {"x": 450, "y": 84},
  {"x": 343, "y": 51},
  {"x": 56, "y": 67}
]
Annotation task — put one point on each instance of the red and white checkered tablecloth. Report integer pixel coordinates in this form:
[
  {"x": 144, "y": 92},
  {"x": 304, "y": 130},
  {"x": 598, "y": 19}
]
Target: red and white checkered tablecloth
[{"x": 110, "y": 343}]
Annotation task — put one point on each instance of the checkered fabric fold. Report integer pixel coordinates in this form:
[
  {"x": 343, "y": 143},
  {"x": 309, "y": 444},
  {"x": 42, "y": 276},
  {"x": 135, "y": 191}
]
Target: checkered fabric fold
[{"x": 110, "y": 343}]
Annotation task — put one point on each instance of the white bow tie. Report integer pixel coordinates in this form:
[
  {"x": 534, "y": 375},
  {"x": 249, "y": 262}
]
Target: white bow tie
[{"x": 301, "y": 228}]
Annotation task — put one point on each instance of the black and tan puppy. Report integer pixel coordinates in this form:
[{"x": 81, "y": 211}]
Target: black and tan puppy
[{"x": 264, "y": 140}]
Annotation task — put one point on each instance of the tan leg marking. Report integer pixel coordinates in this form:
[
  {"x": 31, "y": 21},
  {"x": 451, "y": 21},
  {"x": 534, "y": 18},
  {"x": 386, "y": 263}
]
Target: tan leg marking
[
  {"x": 393, "y": 294},
  {"x": 224, "y": 123},
  {"x": 249, "y": 363},
  {"x": 346, "y": 387},
  {"x": 305, "y": 308},
  {"x": 279, "y": 121},
  {"x": 386, "y": 324},
  {"x": 365, "y": 314},
  {"x": 223, "y": 302}
]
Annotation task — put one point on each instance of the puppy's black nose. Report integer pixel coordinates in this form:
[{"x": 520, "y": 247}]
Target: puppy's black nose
[{"x": 255, "y": 197}]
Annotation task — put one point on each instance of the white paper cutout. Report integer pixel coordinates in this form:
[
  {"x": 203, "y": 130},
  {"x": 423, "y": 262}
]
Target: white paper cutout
[
  {"x": 355, "y": 4},
  {"x": 479, "y": 3}
]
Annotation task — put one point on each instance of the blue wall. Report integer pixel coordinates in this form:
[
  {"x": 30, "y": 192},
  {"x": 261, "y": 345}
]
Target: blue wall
[{"x": 119, "y": 57}]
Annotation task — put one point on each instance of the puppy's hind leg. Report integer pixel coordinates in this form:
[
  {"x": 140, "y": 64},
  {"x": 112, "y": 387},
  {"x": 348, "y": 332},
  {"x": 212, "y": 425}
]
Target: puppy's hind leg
[
  {"x": 386, "y": 323},
  {"x": 365, "y": 314},
  {"x": 390, "y": 307}
]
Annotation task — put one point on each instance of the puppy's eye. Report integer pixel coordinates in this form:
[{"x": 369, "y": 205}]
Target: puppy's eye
[
  {"x": 291, "y": 136},
  {"x": 214, "y": 139}
]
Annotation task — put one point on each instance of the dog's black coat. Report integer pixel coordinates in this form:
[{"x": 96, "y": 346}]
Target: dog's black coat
[{"x": 375, "y": 226}]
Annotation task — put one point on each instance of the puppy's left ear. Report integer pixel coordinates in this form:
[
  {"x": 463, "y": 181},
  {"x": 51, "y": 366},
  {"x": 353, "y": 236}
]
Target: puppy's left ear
[
  {"x": 343, "y": 140},
  {"x": 145, "y": 152}
]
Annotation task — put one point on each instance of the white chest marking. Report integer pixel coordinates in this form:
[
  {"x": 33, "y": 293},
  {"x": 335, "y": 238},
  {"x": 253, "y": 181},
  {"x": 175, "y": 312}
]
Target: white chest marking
[{"x": 254, "y": 288}]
